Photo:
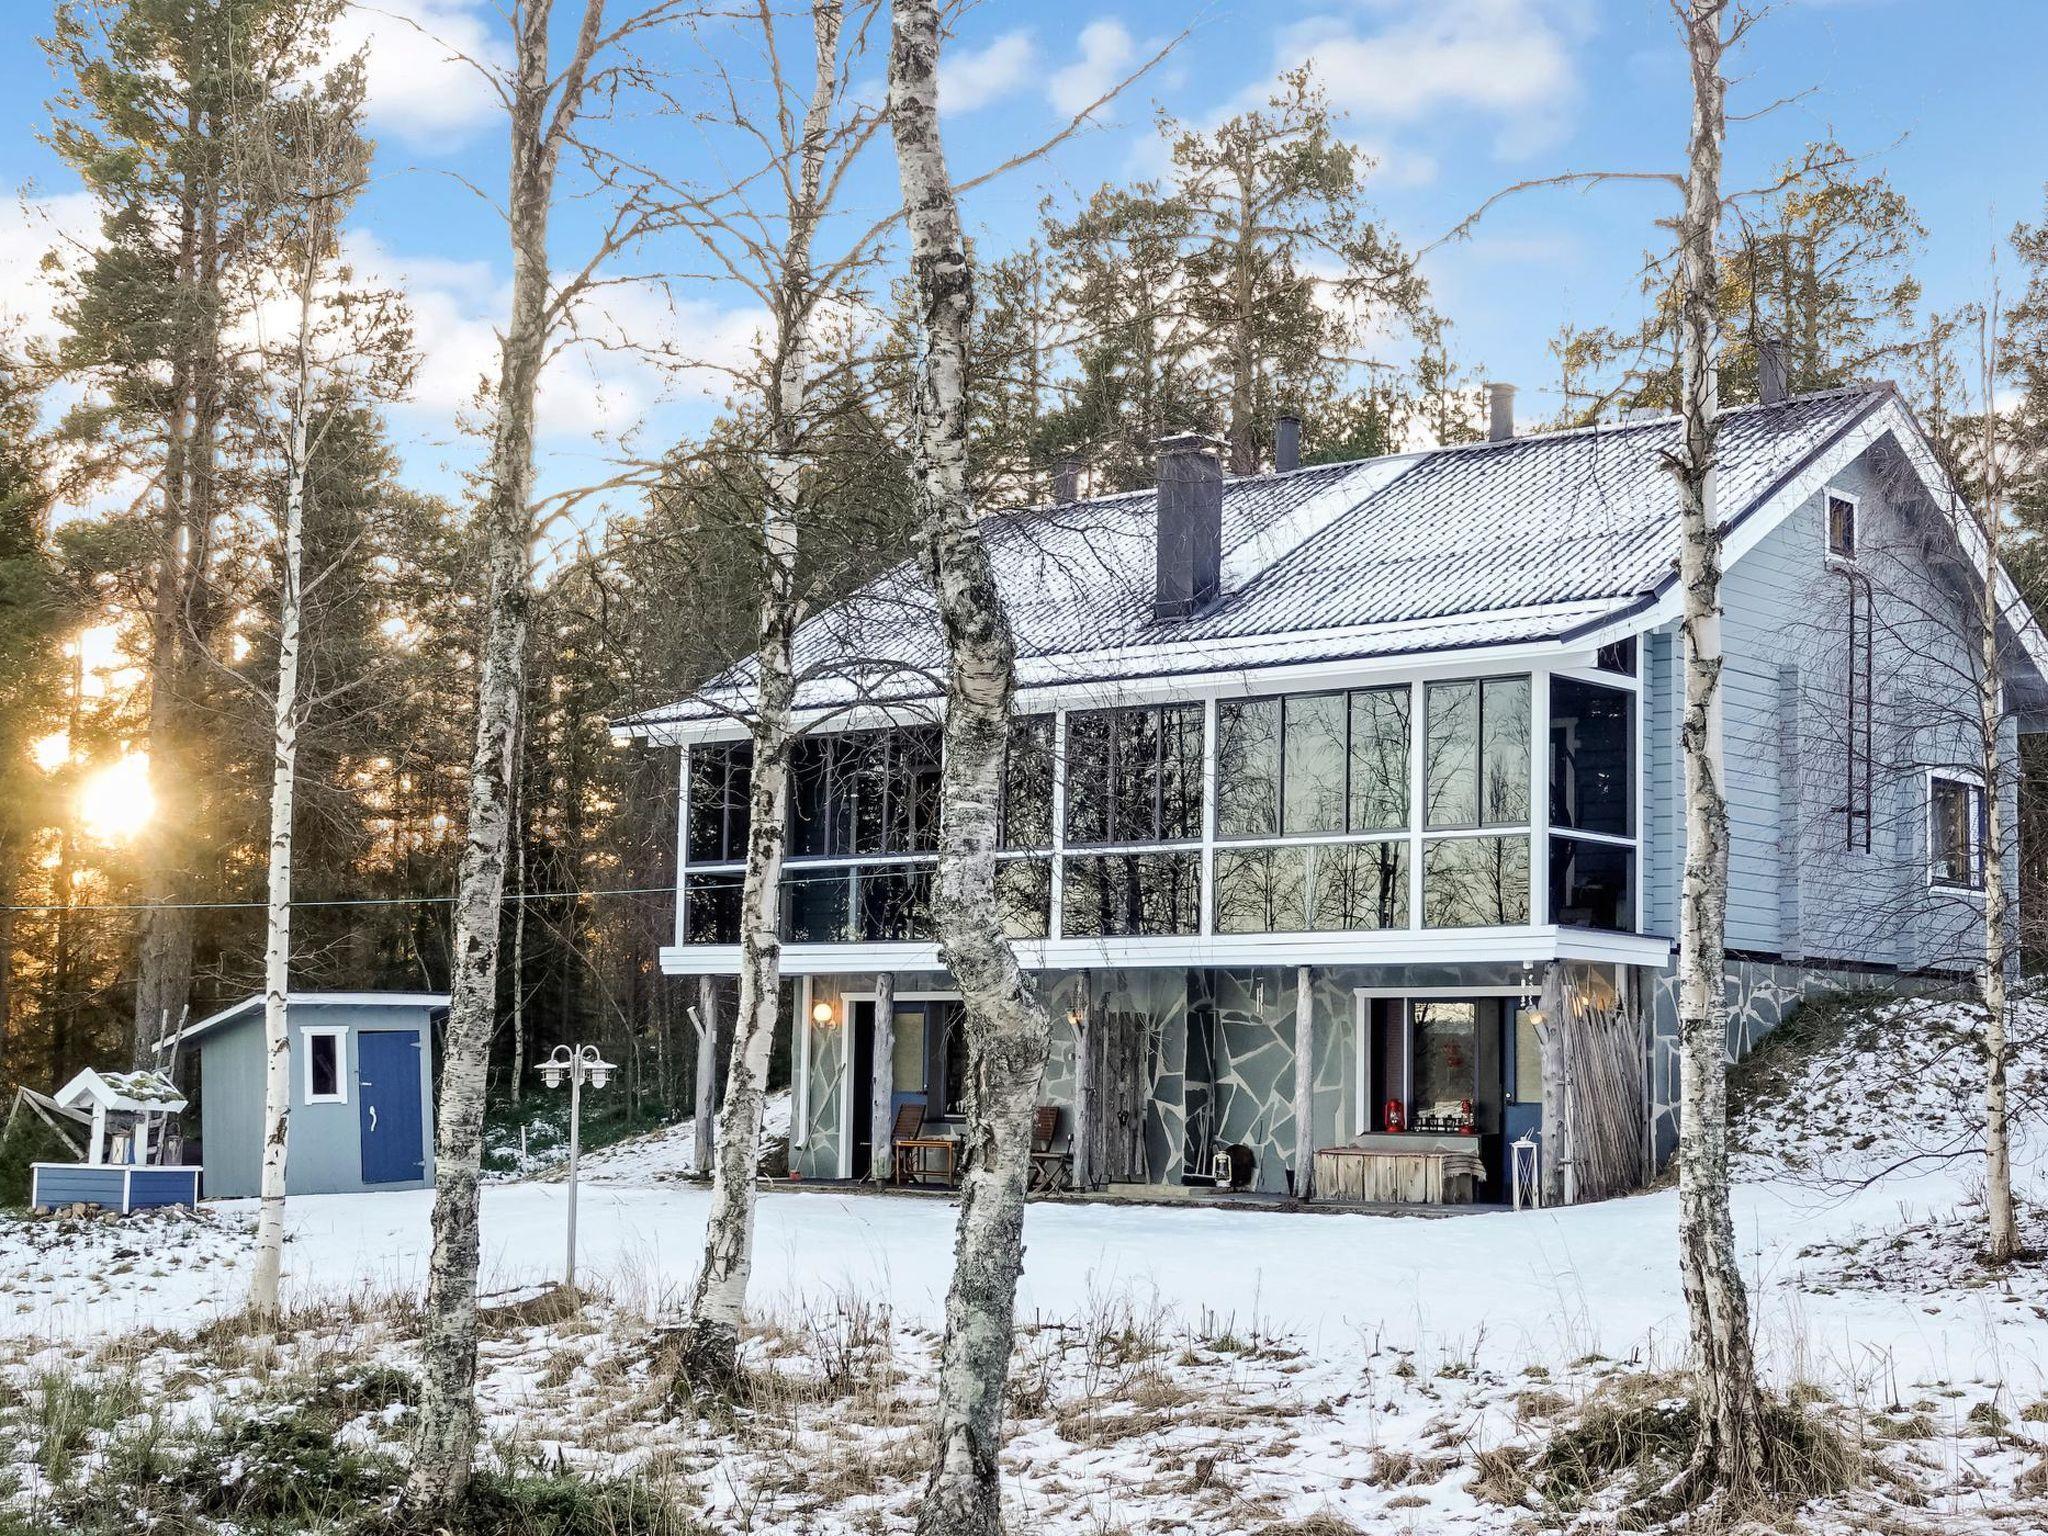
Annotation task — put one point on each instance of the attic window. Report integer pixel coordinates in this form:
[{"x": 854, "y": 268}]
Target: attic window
[{"x": 1841, "y": 527}]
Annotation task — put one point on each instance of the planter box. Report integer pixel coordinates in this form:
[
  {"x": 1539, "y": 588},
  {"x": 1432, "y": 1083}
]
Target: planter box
[{"x": 122, "y": 1187}]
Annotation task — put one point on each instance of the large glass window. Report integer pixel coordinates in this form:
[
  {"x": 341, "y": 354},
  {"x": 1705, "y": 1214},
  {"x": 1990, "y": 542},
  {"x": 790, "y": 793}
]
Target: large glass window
[
  {"x": 1132, "y": 893},
  {"x": 1312, "y": 768},
  {"x": 1379, "y": 759},
  {"x": 1027, "y": 784},
  {"x": 1135, "y": 775},
  {"x": 1592, "y": 884},
  {"x": 1024, "y": 897},
  {"x": 1592, "y": 791},
  {"x": 865, "y": 792},
  {"x": 1592, "y": 758},
  {"x": 1321, "y": 887},
  {"x": 1475, "y": 882},
  {"x": 711, "y": 908},
  {"x": 1477, "y": 759},
  {"x": 1446, "y": 1061},
  {"x": 1312, "y": 763},
  {"x": 721, "y": 778},
  {"x": 1248, "y": 768}
]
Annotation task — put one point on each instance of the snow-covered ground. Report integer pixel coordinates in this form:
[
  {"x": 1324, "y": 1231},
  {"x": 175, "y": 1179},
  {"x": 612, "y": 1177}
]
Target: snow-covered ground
[{"x": 1304, "y": 1349}]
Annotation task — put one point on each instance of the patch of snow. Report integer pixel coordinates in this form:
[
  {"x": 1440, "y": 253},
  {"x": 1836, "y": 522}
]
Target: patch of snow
[{"x": 669, "y": 1154}]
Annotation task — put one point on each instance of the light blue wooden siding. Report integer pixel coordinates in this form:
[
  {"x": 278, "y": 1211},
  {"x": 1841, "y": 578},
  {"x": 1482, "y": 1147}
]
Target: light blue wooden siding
[
  {"x": 113, "y": 1186},
  {"x": 94, "y": 1184},
  {"x": 1795, "y": 887},
  {"x": 1664, "y": 831},
  {"x": 326, "y": 1155}
]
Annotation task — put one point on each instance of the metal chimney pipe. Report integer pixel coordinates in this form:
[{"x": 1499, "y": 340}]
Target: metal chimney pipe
[
  {"x": 1066, "y": 479},
  {"x": 1500, "y": 412},
  {"x": 1773, "y": 372},
  {"x": 1286, "y": 444},
  {"x": 1189, "y": 555}
]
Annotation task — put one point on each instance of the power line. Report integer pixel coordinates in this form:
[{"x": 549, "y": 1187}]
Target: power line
[{"x": 338, "y": 901}]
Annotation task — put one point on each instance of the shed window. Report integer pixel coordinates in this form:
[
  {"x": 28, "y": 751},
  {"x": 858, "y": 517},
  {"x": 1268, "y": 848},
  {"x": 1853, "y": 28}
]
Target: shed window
[
  {"x": 323, "y": 1067},
  {"x": 1955, "y": 833}
]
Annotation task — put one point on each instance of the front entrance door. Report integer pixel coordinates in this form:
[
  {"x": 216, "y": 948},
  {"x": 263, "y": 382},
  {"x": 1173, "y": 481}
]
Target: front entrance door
[
  {"x": 862, "y": 1109},
  {"x": 388, "y": 1075}
]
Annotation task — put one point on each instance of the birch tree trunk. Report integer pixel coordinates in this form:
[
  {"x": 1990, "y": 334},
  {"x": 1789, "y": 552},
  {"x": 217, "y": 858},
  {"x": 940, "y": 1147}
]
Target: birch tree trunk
[
  {"x": 704, "y": 1018},
  {"x": 1557, "y": 1131},
  {"x": 708, "y": 1354},
  {"x": 284, "y": 751},
  {"x": 1304, "y": 1084},
  {"x": 1728, "y": 1457},
  {"x": 882, "y": 1100},
  {"x": 1008, "y": 1032},
  {"x": 444, "y": 1437},
  {"x": 2001, "y": 1236}
]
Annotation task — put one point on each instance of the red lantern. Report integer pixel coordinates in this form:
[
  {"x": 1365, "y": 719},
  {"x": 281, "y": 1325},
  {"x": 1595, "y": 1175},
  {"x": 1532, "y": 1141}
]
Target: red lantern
[{"x": 1397, "y": 1115}]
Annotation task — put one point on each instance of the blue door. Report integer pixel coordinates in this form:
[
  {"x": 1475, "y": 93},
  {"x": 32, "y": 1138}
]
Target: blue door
[{"x": 388, "y": 1074}]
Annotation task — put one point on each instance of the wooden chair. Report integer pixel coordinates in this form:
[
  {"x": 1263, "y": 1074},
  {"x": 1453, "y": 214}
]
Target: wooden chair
[
  {"x": 908, "y": 1146},
  {"x": 1052, "y": 1168}
]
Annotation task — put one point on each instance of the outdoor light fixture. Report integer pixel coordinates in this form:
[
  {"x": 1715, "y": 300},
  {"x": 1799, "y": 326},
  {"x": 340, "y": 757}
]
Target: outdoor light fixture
[
  {"x": 821, "y": 1014},
  {"x": 577, "y": 1063}
]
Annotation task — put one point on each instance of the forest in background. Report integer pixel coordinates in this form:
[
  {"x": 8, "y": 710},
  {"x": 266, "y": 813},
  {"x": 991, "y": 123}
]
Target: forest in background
[{"x": 141, "y": 480}]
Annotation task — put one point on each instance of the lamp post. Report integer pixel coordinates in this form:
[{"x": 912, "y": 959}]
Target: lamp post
[{"x": 574, "y": 1063}]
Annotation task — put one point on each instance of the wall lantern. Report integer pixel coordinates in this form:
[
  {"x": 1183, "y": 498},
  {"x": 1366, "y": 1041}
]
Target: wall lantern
[{"x": 821, "y": 1014}]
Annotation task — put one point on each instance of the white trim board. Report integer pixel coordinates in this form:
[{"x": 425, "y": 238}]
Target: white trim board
[
  {"x": 1393, "y": 946},
  {"x": 314, "y": 999}
]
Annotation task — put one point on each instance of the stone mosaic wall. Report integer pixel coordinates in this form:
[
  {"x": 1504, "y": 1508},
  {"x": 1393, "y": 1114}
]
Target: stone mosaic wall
[{"x": 1758, "y": 995}]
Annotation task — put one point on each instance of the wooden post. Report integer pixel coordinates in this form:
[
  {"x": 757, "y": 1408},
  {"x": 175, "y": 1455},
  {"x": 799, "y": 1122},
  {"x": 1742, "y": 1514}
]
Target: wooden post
[
  {"x": 881, "y": 1113},
  {"x": 1551, "y": 1035},
  {"x": 1304, "y": 1083},
  {"x": 1080, "y": 1020}
]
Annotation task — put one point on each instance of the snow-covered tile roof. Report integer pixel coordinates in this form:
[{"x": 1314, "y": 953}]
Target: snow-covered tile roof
[{"x": 1477, "y": 545}]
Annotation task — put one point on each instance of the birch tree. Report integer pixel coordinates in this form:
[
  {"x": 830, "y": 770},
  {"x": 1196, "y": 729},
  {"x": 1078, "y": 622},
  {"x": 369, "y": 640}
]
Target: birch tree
[
  {"x": 827, "y": 136},
  {"x": 1728, "y": 1457},
  {"x": 546, "y": 101},
  {"x": 340, "y": 349},
  {"x": 2001, "y": 1224},
  {"x": 1008, "y": 1031}
]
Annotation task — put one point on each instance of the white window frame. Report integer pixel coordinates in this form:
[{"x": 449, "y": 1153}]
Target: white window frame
[
  {"x": 338, "y": 1033},
  {"x": 1972, "y": 780},
  {"x": 1827, "y": 530}
]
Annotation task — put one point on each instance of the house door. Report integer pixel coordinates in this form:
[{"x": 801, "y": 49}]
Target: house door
[
  {"x": 861, "y": 1112},
  {"x": 1522, "y": 1114},
  {"x": 388, "y": 1075}
]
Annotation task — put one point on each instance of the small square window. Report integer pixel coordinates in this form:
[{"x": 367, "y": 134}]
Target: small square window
[
  {"x": 323, "y": 1067},
  {"x": 1955, "y": 833},
  {"x": 1841, "y": 528}
]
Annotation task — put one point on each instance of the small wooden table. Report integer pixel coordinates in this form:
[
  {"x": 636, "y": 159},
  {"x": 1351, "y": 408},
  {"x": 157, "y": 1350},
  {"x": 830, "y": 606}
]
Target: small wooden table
[
  {"x": 913, "y": 1160},
  {"x": 1403, "y": 1168}
]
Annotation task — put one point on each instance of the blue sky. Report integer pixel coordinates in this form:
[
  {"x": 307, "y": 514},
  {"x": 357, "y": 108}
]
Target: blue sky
[{"x": 1456, "y": 97}]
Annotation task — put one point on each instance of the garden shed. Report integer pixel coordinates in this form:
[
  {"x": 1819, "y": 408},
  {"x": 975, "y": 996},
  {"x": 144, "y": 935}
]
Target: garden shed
[{"x": 362, "y": 1092}]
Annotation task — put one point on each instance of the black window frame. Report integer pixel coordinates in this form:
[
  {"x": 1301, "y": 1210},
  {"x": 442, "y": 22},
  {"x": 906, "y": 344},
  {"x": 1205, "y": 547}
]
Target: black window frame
[
  {"x": 734, "y": 767},
  {"x": 1478, "y": 685},
  {"x": 1351, "y": 826},
  {"x": 1116, "y": 729},
  {"x": 1841, "y": 536}
]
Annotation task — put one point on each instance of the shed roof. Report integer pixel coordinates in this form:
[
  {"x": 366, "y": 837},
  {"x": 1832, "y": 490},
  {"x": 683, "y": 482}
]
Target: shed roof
[
  {"x": 1482, "y": 544},
  {"x": 314, "y": 999}
]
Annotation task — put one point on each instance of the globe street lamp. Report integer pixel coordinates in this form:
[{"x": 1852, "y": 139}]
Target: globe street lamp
[{"x": 577, "y": 1064}]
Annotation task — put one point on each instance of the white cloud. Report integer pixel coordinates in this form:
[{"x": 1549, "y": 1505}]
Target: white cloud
[
  {"x": 419, "y": 88},
  {"x": 1403, "y": 62},
  {"x": 30, "y": 228},
  {"x": 976, "y": 77},
  {"x": 1107, "y": 53}
]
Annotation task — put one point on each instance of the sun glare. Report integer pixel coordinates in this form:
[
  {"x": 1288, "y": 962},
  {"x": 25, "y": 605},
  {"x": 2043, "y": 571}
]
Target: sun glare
[
  {"x": 116, "y": 803},
  {"x": 51, "y": 751}
]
